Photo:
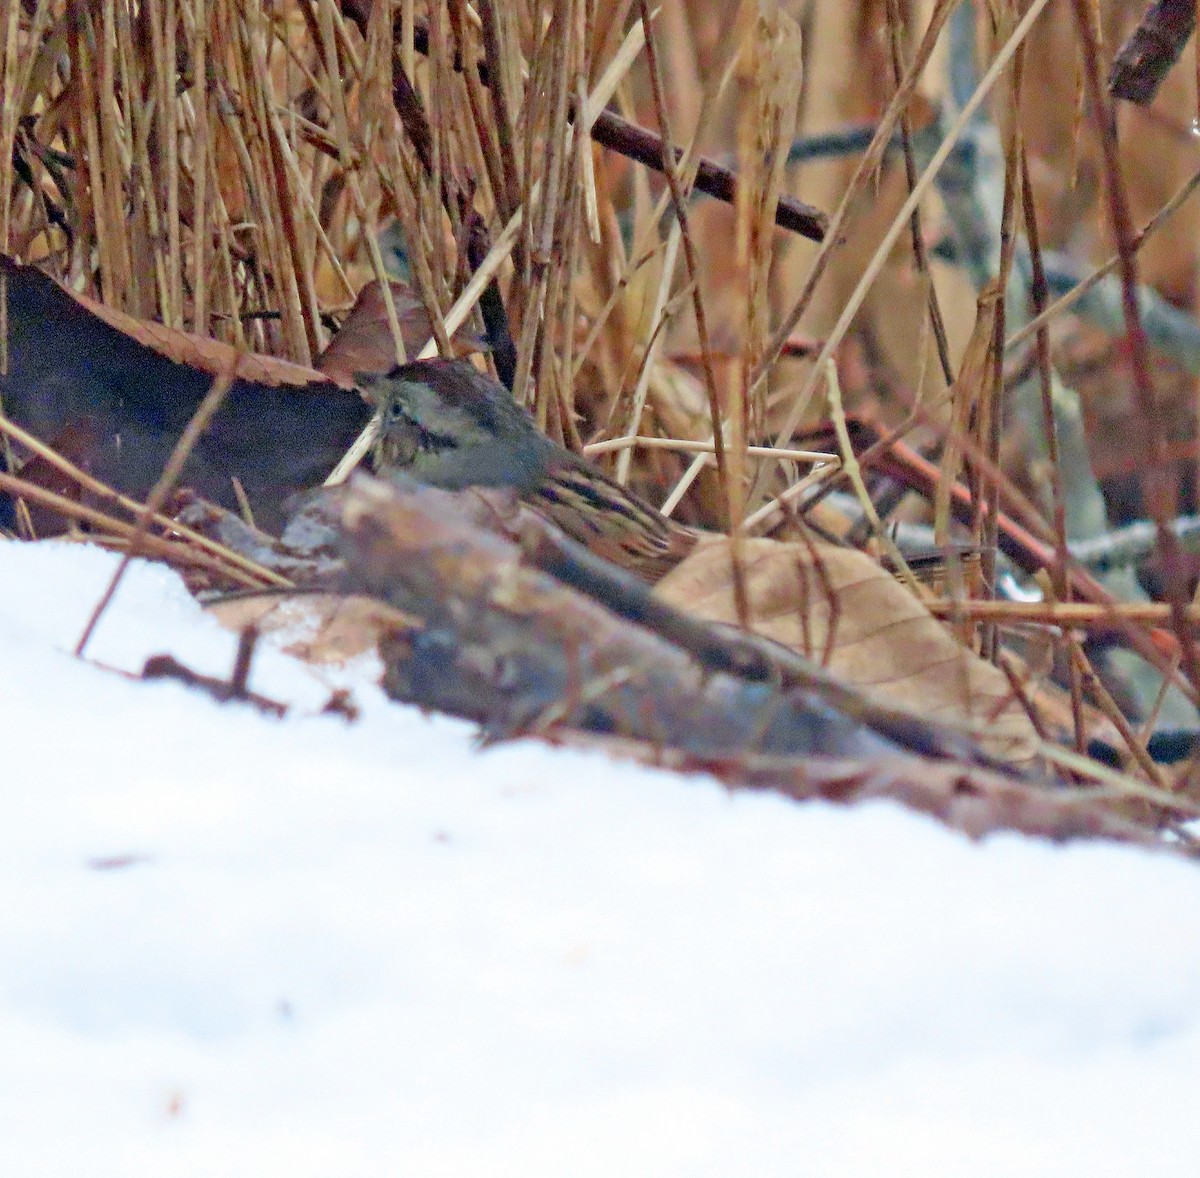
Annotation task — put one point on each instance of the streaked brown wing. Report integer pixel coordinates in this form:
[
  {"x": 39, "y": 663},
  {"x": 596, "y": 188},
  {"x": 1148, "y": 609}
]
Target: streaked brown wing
[{"x": 611, "y": 521}]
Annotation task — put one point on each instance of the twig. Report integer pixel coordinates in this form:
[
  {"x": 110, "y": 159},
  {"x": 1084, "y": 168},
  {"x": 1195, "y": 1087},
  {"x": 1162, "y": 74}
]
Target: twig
[
  {"x": 168, "y": 550},
  {"x": 1097, "y": 691},
  {"x": 1077, "y": 292},
  {"x": 1082, "y": 614},
  {"x": 687, "y": 446},
  {"x": 831, "y": 145},
  {"x": 256, "y": 572},
  {"x": 670, "y": 169},
  {"x": 165, "y": 666},
  {"x": 767, "y": 515},
  {"x": 1160, "y": 492},
  {"x": 644, "y": 147},
  {"x": 1118, "y": 785},
  {"x": 866, "y": 166},
  {"x": 501, "y": 248},
  {"x": 166, "y": 482},
  {"x": 1150, "y": 51},
  {"x": 1029, "y": 542},
  {"x": 1133, "y": 543},
  {"x": 1037, "y": 293},
  {"x": 663, "y": 314},
  {"x": 895, "y": 22},
  {"x": 854, "y": 474}
]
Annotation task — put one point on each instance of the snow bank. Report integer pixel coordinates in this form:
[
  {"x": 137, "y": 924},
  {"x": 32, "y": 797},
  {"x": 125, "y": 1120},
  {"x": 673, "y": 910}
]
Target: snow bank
[{"x": 233, "y": 945}]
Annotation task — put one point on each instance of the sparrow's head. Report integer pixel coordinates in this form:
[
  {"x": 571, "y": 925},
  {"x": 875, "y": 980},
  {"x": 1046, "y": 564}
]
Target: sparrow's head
[{"x": 450, "y": 425}]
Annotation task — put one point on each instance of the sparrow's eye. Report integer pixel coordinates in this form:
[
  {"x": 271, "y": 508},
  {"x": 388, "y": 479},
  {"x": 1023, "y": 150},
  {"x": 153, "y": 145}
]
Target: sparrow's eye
[{"x": 396, "y": 411}]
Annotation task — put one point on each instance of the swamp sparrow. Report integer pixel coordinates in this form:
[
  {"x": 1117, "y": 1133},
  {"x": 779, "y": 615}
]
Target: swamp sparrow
[{"x": 447, "y": 424}]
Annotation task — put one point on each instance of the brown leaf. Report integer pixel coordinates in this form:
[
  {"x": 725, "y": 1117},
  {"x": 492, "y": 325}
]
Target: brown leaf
[
  {"x": 207, "y": 355},
  {"x": 879, "y": 637},
  {"x": 365, "y": 343}
]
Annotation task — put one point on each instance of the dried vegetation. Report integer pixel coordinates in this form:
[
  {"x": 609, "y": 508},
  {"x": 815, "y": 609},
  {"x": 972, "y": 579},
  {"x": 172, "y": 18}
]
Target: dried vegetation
[{"x": 239, "y": 170}]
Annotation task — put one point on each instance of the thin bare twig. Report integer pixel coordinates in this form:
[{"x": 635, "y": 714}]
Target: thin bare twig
[
  {"x": 678, "y": 197},
  {"x": 1159, "y": 488},
  {"x": 158, "y": 496}
]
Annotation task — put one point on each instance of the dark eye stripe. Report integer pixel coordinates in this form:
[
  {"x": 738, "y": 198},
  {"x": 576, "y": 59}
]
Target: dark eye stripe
[{"x": 428, "y": 440}]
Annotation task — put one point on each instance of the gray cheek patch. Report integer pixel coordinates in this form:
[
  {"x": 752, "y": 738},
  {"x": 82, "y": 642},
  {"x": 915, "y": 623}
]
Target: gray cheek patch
[{"x": 433, "y": 414}]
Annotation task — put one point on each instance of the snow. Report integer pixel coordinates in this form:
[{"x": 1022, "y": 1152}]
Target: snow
[{"x": 235, "y": 945}]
